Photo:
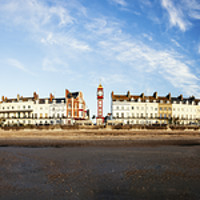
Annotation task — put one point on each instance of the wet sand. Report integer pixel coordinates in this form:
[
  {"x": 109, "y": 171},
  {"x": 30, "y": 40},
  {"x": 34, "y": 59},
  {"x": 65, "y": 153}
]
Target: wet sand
[
  {"x": 101, "y": 172},
  {"x": 99, "y": 165}
]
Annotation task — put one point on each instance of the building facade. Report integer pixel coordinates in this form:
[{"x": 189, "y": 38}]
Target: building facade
[
  {"x": 42, "y": 111},
  {"x": 76, "y": 106},
  {"x": 141, "y": 109}
]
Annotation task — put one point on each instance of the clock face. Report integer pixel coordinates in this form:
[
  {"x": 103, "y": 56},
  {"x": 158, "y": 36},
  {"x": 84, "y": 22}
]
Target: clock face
[{"x": 100, "y": 93}]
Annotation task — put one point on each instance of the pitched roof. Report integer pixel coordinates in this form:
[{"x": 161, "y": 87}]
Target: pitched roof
[{"x": 143, "y": 98}]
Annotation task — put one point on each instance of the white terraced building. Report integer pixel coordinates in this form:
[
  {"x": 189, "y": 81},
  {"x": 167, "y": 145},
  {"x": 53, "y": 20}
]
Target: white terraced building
[
  {"x": 35, "y": 111},
  {"x": 140, "y": 109}
]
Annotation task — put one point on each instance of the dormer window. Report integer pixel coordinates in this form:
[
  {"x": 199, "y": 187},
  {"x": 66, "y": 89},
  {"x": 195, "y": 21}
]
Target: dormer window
[
  {"x": 174, "y": 102},
  {"x": 139, "y": 100},
  {"x": 132, "y": 99},
  {"x": 161, "y": 101},
  {"x": 147, "y": 100}
]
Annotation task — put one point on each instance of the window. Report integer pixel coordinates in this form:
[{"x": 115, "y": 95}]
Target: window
[
  {"x": 122, "y": 114},
  {"x": 132, "y": 107},
  {"x": 70, "y": 106},
  {"x": 117, "y": 107},
  {"x": 160, "y": 108},
  {"x": 117, "y": 115}
]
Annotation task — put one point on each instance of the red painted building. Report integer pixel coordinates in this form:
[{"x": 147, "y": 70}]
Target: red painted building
[
  {"x": 100, "y": 97},
  {"x": 76, "y": 107}
]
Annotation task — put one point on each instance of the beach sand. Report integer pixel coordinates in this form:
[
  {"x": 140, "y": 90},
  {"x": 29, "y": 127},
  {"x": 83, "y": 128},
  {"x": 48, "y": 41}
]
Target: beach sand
[{"x": 99, "y": 165}]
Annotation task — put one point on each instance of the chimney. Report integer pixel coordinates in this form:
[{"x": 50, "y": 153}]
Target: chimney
[
  {"x": 35, "y": 96},
  {"x": 181, "y": 97},
  {"x": 155, "y": 95},
  {"x": 142, "y": 95},
  {"x": 2, "y": 98},
  {"x": 66, "y": 93},
  {"x": 128, "y": 94},
  {"x": 192, "y": 98},
  {"x": 169, "y": 96},
  {"x": 51, "y": 97},
  {"x": 18, "y": 97}
]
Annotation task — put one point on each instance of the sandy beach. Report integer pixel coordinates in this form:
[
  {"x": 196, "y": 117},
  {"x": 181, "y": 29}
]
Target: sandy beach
[
  {"x": 86, "y": 164},
  {"x": 102, "y": 136}
]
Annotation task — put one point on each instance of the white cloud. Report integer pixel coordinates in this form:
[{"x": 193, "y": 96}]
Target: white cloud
[
  {"x": 181, "y": 12},
  {"x": 176, "y": 15},
  {"x": 199, "y": 49},
  {"x": 149, "y": 37},
  {"x": 120, "y": 2},
  {"x": 55, "y": 65},
  {"x": 176, "y": 43},
  {"x": 193, "y": 8},
  {"x": 144, "y": 59},
  {"x": 35, "y": 13},
  {"x": 17, "y": 64},
  {"x": 65, "y": 40},
  {"x": 102, "y": 40}
]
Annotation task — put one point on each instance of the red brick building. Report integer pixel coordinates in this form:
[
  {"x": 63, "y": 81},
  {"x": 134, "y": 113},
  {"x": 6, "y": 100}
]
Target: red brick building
[{"x": 76, "y": 107}]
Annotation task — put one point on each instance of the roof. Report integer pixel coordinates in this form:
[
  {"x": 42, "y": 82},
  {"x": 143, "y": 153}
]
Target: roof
[
  {"x": 155, "y": 97},
  {"x": 100, "y": 86},
  {"x": 73, "y": 95}
]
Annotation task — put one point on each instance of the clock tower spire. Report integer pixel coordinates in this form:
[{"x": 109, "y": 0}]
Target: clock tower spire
[{"x": 100, "y": 97}]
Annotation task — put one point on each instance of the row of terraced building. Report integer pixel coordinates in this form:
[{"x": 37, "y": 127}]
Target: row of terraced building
[
  {"x": 43, "y": 111},
  {"x": 141, "y": 109}
]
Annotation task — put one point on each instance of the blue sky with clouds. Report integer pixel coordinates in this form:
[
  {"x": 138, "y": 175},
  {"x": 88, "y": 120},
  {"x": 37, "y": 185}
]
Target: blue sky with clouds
[{"x": 141, "y": 45}]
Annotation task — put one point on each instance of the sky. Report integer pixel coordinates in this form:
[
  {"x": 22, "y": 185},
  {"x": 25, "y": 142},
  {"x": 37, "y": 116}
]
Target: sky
[{"x": 48, "y": 46}]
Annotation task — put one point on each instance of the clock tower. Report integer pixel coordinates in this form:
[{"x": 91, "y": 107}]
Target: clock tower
[{"x": 100, "y": 96}]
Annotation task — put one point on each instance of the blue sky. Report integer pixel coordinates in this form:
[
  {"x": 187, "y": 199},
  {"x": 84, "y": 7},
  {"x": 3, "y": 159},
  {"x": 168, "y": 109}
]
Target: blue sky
[{"x": 136, "y": 45}]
